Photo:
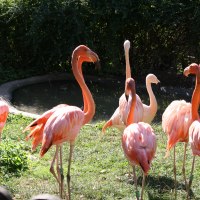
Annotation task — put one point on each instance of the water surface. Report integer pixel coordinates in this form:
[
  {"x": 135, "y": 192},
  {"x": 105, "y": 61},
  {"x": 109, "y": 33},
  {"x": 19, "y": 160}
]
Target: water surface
[{"x": 38, "y": 98}]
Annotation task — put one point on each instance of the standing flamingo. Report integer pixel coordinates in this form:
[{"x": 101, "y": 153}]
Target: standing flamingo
[
  {"x": 194, "y": 130},
  {"x": 63, "y": 122},
  {"x": 176, "y": 121},
  {"x": 138, "y": 139},
  {"x": 145, "y": 113},
  {"x": 4, "y": 110}
]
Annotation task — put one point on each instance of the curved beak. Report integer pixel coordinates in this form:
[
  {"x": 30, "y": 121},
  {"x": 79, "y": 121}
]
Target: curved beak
[
  {"x": 186, "y": 71},
  {"x": 97, "y": 65},
  {"x": 126, "y": 95}
]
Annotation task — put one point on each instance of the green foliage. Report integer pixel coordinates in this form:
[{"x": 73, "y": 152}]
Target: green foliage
[
  {"x": 39, "y": 36},
  {"x": 13, "y": 158}
]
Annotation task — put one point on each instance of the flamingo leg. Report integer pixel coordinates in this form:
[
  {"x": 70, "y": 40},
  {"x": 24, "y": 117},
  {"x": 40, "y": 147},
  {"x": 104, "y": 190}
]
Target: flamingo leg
[
  {"x": 175, "y": 182},
  {"x": 135, "y": 182},
  {"x": 191, "y": 177},
  {"x": 183, "y": 167},
  {"x": 143, "y": 183},
  {"x": 69, "y": 166},
  {"x": 52, "y": 170},
  {"x": 60, "y": 172}
]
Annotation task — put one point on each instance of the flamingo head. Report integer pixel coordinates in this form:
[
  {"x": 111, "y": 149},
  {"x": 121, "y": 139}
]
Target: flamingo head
[
  {"x": 192, "y": 69},
  {"x": 126, "y": 45},
  {"x": 130, "y": 87},
  {"x": 86, "y": 55},
  {"x": 151, "y": 78}
]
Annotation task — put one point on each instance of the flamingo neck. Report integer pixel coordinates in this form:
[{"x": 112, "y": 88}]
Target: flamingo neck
[
  {"x": 153, "y": 102},
  {"x": 85, "y": 107},
  {"x": 130, "y": 117},
  {"x": 89, "y": 105},
  {"x": 195, "y": 99},
  {"x": 128, "y": 68}
]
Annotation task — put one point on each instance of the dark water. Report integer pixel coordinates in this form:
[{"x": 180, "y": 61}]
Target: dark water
[{"x": 41, "y": 97}]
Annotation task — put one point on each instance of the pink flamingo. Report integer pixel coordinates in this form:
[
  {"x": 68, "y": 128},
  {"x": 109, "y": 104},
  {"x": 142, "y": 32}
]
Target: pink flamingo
[
  {"x": 63, "y": 122},
  {"x": 4, "y": 110},
  {"x": 176, "y": 121},
  {"x": 119, "y": 116},
  {"x": 143, "y": 112},
  {"x": 194, "y": 130},
  {"x": 138, "y": 139}
]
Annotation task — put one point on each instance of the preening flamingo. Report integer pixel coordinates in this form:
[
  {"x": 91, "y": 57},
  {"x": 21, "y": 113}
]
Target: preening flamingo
[
  {"x": 138, "y": 139},
  {"x": 4, "y": 110},
  {"x": 194, "y": 130},
  {"x": 143, "y": 112},
  {"x": 63, "y": 122},
  {"x": 176, "y": 121}
]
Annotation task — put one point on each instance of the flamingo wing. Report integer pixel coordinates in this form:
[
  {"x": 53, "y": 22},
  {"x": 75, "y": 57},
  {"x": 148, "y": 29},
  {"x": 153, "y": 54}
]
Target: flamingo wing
[
  {"x": 139, "y": 144},
  {"x": 37, "y": 126},
  {"x": 176, "y": 121},
  {"x": 63, "y": 125},
  {"x": 194, "y": 137}
]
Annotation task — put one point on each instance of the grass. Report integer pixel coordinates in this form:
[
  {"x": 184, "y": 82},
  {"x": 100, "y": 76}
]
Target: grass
[{"x": 99, "y": 169}]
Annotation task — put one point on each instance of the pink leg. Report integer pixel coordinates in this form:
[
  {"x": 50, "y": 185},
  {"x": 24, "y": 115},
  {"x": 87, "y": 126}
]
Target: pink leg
[
  {"x": 52, "y": 165},
  {"x": 61, "y": 171},
  {"x": 191, "y": 177},
  {"x": 183, "y": 167},
  {"x": 175, "y": 183},
  {"x": 135, "y": 182},
  {"x": 143, "y": 182},
  {"x": 68, "y": 172}
]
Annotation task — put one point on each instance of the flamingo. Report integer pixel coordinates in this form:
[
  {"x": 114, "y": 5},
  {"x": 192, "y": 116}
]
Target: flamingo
[
  {"x": 138, "y": 139},
  {"x": 143, "y": 112},
  {"x": 4, "y": 110},
  {"x": 194, "y": 130},
  {"x": 63, "y": 122},
  {"x": 176, "y": 121}
]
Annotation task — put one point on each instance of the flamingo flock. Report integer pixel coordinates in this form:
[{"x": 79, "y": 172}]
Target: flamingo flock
[{"x": 62, "y": 123}]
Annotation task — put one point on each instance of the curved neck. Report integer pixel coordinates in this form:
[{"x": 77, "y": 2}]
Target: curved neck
[
  {"x": 195, "y": 99},
  {"x": 152, "y": 98},
  {"x": 79, "y": 63},
  {"x": 132, "y": 109},
  {"x": 128, "y": 68},
  {"x": 89, "y": 105}
]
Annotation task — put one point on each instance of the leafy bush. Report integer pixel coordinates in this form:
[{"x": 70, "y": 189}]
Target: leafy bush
[
  {"x": 13, "y": 157},
  {"x": 38, "y": 36}
]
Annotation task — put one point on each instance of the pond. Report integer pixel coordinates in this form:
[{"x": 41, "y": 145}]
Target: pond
[{"x": 38, "y": 98}]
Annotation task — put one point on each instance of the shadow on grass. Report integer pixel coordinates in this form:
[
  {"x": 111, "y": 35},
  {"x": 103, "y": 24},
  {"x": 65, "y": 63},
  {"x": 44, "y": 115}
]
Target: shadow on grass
[{"x": 161, "y": 186}]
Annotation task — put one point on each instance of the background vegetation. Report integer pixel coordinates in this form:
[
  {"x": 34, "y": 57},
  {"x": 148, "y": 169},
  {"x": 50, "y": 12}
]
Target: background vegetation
[{"x": 38, "y": 36}]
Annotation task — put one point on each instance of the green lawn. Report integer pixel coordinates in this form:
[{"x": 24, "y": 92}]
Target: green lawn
[{"x": 99, "y": 169}]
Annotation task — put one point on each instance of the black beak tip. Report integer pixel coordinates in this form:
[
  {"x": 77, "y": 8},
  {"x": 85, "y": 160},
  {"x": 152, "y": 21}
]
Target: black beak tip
[
  {"x": 126, "y": 97},
  {"x": 97, "y": 65}
]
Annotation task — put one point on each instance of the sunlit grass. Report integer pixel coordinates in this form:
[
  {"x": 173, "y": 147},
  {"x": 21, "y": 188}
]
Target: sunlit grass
[{"x": 99, "y": 169}]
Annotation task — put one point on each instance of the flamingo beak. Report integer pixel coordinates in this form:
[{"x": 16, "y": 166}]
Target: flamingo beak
[
  {"x": 97, "y": 65},
  {"x": 186, "y": 71},
  {"x": 126, "y": 97}
]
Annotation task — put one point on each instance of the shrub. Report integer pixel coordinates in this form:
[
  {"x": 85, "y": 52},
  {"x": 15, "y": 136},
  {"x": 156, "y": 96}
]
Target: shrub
[{"x": 13, "y": 158}]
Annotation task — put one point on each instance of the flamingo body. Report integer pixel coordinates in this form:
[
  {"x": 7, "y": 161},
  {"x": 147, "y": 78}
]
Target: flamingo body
[
  {"x": 36, "y": 127},
  {"x": 4, "y": 110},
  {"x": 124, "y": 108},
  {"x": 194, "y": 137},
  {"x": 63, "y": 122},
  {"x": 139, "y": 145},
  {"x": 63, "y": 125},
  {"x": 176, "y": 121}
]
